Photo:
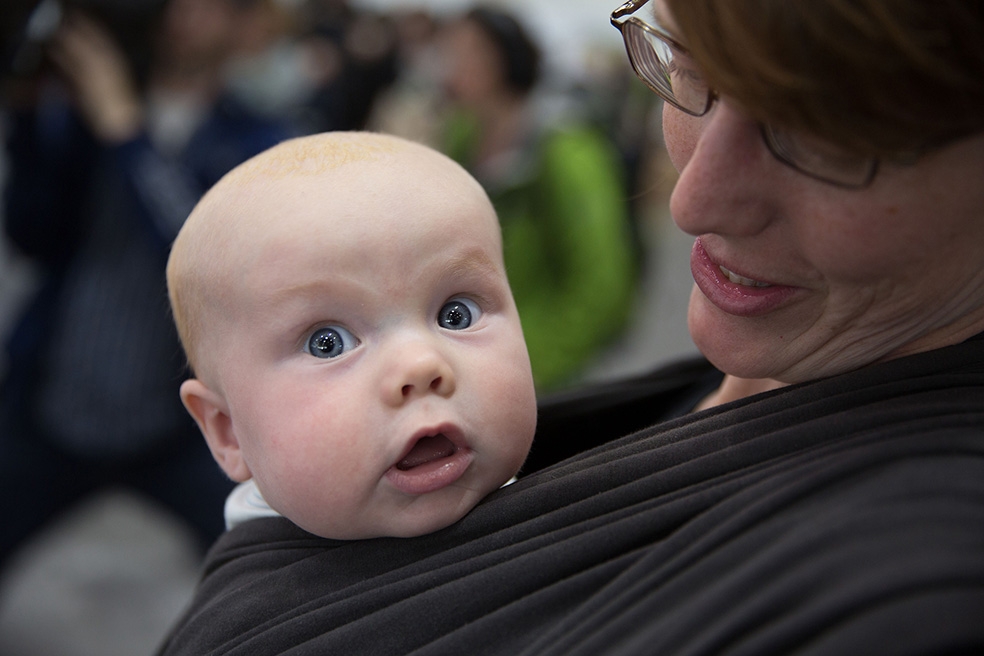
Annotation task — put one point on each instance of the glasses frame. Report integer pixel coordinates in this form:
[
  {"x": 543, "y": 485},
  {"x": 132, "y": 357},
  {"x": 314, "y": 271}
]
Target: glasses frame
[{"x": 623, "y": 15}]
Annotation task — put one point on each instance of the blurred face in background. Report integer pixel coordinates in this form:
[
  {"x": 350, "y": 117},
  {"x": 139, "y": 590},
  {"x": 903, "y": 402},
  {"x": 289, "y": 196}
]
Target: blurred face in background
[
  {"x": 198, "y": 32},
  {"x": 475, "y": 70}
]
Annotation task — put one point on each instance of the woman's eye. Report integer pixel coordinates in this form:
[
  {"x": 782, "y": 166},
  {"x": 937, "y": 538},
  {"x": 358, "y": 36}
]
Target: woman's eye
[
  {"x": 681, "y": 68},
  {"x": 330, "y": 342},
  {"x": 458, "y": 314}
]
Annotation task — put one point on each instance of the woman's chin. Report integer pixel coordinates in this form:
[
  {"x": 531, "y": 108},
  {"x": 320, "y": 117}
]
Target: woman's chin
[{"x": 732, "y": 344}]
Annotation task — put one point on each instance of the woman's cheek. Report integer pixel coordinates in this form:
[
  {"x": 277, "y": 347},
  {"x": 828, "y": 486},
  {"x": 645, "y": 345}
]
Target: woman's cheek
[{"x": 680, "y": 134}]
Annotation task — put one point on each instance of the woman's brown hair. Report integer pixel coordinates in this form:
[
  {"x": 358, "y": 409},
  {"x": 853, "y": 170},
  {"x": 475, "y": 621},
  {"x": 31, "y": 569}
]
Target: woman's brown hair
[{"x": 879, "y": 76}]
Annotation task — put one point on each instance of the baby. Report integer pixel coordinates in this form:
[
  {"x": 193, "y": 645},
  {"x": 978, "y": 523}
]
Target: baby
[{"x": 357, "y": 354}]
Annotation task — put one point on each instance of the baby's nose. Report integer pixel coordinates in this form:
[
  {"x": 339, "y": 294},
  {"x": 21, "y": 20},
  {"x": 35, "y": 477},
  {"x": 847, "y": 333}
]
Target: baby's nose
[{"x": 421, "y": 372}]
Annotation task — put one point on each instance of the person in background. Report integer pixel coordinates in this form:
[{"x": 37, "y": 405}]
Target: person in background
[
  {"x": 558, "y": 187},
  {"x": 108, "y": 152},
  {"x": 356, "y": 51},
  {"x": 270, "y": 70},
  {"x": 412, "y": 106}
]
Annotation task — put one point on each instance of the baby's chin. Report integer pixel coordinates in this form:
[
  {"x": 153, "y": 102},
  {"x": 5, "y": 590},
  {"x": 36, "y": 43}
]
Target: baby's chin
[{"x": 408, "y": 522}]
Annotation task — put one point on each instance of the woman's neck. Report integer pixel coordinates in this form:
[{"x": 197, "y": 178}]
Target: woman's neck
[{"x": 733, "y": 388}]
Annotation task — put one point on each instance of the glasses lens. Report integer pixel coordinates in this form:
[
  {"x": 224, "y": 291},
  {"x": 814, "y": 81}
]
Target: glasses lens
[
  {"x": 819, "y": 158},
  {"x": 668, "y": 70}
]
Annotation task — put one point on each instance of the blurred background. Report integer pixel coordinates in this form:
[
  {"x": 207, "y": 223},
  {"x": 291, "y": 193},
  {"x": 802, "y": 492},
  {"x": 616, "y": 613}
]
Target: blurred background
[{"x": 536, "y": 99}]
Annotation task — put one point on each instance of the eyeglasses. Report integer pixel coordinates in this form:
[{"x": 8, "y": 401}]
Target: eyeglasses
[{"x": 668, "y": 69}]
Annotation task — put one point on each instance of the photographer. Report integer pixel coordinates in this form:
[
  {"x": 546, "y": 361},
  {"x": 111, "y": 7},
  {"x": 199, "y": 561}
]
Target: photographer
[{"x": 111, "y": 142}]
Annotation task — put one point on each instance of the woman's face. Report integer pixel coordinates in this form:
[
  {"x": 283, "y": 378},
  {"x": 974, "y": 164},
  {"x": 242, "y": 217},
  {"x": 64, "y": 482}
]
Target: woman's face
[{"x": 823, "y": 279}]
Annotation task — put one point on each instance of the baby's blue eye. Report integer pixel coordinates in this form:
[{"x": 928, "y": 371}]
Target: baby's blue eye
[
  {"x": 458, "y": 314},
  {"x": 330, "y": 342}
]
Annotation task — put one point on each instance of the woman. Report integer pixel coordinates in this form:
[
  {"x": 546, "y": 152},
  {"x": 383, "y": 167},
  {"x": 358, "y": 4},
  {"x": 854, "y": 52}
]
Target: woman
[
  {"x": 821, "y": 491},
  {"x": 882, "y": 261}
]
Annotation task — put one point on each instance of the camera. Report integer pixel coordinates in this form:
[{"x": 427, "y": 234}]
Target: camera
[
  {"x": 29, "y": 25},
  {"x": 26, "y": 54}
]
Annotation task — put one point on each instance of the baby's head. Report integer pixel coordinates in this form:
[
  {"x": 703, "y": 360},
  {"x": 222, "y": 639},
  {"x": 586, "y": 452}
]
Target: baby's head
[{"x": 344, "y": 305}]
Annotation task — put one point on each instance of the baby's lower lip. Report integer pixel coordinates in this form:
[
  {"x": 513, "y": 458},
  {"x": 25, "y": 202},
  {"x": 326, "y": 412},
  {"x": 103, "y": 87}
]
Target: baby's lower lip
[
  {"x": 432, "y": 475},
  {"x": 733, "y": 293}
]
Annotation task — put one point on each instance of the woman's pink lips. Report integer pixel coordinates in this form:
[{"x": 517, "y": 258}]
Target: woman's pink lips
[
  {"x": 432, "y": 474},
  {"x": 731, "y": 297}
]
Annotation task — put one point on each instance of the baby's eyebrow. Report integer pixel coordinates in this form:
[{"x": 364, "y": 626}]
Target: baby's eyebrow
[{"x": 469, "y": 264}]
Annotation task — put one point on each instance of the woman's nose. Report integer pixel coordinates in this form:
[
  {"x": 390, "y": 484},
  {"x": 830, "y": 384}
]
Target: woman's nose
[
  {"x": 415, "y": 369},
  {"x": 727, "y": 176}
]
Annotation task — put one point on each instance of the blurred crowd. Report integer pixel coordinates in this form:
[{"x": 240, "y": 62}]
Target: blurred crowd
[
  {"x": 118, "y": 114},
  {"x": 475, "y": 84}
]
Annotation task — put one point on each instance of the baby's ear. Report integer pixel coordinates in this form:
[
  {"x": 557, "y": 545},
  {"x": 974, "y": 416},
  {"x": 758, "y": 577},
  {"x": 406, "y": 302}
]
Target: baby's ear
[{"x": 211, "y": 413}]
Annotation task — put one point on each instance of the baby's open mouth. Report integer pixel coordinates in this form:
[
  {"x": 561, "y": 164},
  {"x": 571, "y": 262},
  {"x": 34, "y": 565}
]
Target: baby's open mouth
[
  {"x": 427, "y": 449},
  {"x": 434, "y": 461}
]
